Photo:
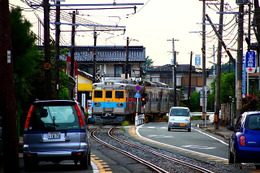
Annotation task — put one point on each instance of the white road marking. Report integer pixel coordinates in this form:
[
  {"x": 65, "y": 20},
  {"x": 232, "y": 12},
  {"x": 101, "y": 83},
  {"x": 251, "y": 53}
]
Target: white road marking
[
  {"x": 137, "y": 129},
  {"x": 160, "y": 136},
  {"x": 199, "y": 147},
  {"x": 212, "y": 137}
]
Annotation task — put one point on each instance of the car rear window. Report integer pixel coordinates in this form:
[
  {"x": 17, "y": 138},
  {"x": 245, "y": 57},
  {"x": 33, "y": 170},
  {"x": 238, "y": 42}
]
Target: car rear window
[
  {"x": 253, "y": 122},
  {"x": 54, "y": 117},
  {"x": 179, "y": 112}
]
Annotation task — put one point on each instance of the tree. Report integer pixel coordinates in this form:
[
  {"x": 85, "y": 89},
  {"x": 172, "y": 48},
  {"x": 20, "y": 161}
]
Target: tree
[
  {"x": 26, "y": 56},
  {"x": 148, "y": 65},
  {"x": 195, "y": 101},
  {"x": 228, "y": 86},
  {"x": 28, "y": 66}
]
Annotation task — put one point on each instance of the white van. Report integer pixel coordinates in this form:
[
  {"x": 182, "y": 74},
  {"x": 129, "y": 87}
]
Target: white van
[{"x": 179, "y": 118}]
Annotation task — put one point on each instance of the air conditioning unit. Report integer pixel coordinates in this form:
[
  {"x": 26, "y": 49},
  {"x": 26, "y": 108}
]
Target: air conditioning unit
[{"x": 242, "y": 2}]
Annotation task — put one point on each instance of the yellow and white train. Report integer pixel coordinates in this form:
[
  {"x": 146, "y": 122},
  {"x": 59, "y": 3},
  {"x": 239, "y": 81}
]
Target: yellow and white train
[{"x": 114, "y": 102}]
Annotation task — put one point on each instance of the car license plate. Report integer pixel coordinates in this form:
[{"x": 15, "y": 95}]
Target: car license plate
[
  {"x": 54, "y": 135},
  {"x": 182, "y": 124}
]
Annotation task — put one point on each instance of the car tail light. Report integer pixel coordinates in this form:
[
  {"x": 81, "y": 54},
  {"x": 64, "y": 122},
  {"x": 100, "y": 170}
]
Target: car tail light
[
  {"x": 242, "y": 140},
  {"x": 81, "y": 122},
  {"x": 27, "y": 122}
]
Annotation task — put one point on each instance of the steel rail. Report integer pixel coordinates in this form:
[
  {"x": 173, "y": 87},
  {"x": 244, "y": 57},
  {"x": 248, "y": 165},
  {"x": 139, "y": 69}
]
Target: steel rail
[
  {"x": 128, "y": 154},
  {"x": 175, "y": 160}
]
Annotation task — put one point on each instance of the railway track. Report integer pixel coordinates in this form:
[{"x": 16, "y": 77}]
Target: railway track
[{"x": 156, "y": 167}]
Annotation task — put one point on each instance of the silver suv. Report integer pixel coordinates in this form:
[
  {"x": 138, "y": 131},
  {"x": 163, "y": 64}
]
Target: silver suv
[{"x": 55, "y": 130}]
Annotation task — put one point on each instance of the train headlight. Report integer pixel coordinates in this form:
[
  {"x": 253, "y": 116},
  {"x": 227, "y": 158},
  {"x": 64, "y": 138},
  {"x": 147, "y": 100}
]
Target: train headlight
[
  {"x": 97, "y": 104},
  {"x": 119, "y": 104}
]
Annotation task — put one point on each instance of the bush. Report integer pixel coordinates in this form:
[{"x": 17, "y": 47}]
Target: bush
[
  {"x": 249, "y": 103},
  {"x": 125, "y": 123}
]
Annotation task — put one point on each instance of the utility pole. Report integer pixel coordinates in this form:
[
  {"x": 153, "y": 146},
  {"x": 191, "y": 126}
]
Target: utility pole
[
  {"x": 127, "y": 57},
  {"x": 47, "y": 65},
  {"x": 174, "y": 70},
  {"x": 218, "y": 74},
  {"x": 7, "y": 99},
  {"x": 190, "y": 79},
  {"x": 57, "y": 49},
  {"x": 239, "y": 60},
  {"x": 203, "y": 49},
  {"x": 95, "y": 57},
  {"x": 72, "y": 64},
  {"x": 257, "y": 20}
]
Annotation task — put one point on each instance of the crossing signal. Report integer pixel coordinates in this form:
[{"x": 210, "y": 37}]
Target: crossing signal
[{"x": 143, "y": 98}]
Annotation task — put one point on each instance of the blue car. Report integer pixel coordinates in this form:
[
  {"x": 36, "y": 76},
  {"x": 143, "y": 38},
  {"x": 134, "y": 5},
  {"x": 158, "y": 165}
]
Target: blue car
[{"x": 244, "y": 144}]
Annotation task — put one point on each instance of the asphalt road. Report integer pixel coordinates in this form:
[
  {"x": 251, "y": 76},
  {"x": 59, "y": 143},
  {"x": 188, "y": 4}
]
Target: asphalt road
[{"x": 195, "y": 141}]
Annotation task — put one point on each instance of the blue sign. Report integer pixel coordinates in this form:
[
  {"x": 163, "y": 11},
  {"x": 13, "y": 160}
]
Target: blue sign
[
  {"x": 137, "y": 95},
  {"x": 197, "y": 61},
  {"x": 138, "y": 88},
  {"x": 250, "y": 61},
  {"x": 244, "y": 78}
]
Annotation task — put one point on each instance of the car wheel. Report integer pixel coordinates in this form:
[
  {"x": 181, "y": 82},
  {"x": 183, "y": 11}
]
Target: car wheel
[
  {"x": 230, "y": 158},
  {"x": 30, "y": 164},
  {"x": 237, "y": 162},
  {"x": 89, "y": 159},
  {"x": 169, "y": 129},
  {"x": 84, "y": 163},
  {"x": 189, "y": 129}
]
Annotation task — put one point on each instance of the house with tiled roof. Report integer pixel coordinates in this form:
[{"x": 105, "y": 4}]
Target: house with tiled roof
[
  {"x": 164, "y": 74},
  {"x": 110, "y": 61}
]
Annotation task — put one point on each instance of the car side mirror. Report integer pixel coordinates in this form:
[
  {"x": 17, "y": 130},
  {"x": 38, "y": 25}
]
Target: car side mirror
[
  {"x": 167, "y": 114},
  {"x": 230, "y": 127}
]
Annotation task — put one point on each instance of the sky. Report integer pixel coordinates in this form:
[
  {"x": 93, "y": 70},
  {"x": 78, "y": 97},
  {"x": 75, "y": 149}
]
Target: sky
[{"x": 153, "y": 26}]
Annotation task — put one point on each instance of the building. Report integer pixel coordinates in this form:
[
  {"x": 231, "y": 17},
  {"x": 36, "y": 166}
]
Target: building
[
  {"x": 185, "y": 77},
  {"x": 109, "y": 61}
]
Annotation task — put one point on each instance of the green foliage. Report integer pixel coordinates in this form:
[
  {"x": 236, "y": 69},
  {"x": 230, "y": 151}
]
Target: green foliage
[
  {"x": 148, "y": 65},
  {"x": 210, "y": 102},
  {"x": 227, "y": 86},
  {"x": 194, "y": 101},
  {"x": 125, "y": 123},
  {"x": 165, "y": 118}
]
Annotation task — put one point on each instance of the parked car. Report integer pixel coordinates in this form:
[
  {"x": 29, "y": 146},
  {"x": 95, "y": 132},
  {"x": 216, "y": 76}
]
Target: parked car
[
  {"x": 244, "y": 143},
  {"x": 179, "y": 118},
  {"x": 56, "y": 130}
]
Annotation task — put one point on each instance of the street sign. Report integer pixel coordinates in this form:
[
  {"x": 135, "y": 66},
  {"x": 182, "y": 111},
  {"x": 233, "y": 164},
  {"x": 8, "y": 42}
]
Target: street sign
[
  {"x": 244, "y": 77},
  {"x": 250, "y": 62},
  {"x": 137, "y": 87},
  {"x": 137, "y": 95},
  {"x": 197, "y": 61}
]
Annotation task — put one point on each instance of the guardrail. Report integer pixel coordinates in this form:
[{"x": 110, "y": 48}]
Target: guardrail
[{"x": 200, "y": 113}]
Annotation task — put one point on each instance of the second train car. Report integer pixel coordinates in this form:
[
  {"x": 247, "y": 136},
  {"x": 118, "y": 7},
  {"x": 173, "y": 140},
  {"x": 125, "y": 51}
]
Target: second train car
[{"x": 114, "y": 102}]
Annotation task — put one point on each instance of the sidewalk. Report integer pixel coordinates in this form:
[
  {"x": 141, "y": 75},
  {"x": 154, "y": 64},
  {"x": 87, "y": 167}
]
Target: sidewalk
[{"x": 221, "y": 131}]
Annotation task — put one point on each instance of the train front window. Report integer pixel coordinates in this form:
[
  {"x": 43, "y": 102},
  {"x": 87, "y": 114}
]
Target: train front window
[
  {"x": 98, "y": 94},
  {"x": 119, "y": 94},
  {"x": 108, "y": 94}
]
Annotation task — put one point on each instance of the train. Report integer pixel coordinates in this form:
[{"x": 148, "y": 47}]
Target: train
[{"x": 116, "y": 101}]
